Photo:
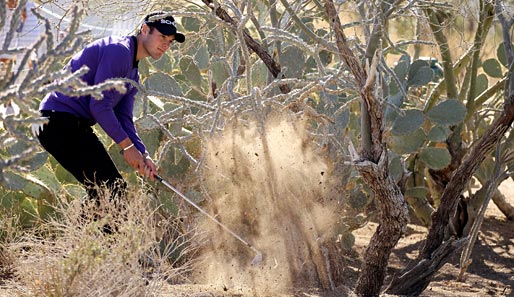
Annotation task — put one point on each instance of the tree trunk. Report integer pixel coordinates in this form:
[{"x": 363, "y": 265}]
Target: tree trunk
[
  {"x": 449, "y": 201},
  {"x": 393, "y": 222},
  {"x": 462, "y": 176},
  {"x": 373, "y": 166}
]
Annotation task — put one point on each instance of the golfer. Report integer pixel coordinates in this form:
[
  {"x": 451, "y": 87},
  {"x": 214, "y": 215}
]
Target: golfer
[{"x": 68, "y": 136}]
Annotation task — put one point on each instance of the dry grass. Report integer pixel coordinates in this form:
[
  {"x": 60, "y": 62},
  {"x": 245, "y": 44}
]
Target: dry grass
[
  {"x": 72, "y": 255},
  {"x": 6, "y": 264},
  {"x": 8, "y": 230}
]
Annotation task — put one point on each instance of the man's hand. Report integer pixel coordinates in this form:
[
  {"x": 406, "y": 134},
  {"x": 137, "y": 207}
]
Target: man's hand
[
  {"x": 143, "y": 164},
  {"x": 150, "y": 168}
]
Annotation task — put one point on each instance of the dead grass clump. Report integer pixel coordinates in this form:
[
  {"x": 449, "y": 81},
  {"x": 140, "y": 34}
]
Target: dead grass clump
[
  {"x": 116, "y": 248},
  {"x": 6, "y": 264},
  {"x": 6, "y": 258}
]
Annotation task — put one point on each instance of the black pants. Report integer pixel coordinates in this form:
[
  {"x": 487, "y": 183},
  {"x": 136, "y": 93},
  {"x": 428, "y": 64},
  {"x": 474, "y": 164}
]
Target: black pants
[{"x": 75, "y": 146}]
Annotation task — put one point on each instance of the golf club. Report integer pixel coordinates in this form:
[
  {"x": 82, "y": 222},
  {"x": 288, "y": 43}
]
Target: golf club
[{"x": 258, "y": 257}]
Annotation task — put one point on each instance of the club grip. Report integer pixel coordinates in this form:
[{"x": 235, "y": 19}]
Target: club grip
[{"x": 158, "y": 177}]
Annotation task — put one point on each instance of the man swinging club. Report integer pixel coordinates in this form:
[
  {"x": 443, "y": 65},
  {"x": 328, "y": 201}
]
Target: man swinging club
[{"x": 68, "y": 135}]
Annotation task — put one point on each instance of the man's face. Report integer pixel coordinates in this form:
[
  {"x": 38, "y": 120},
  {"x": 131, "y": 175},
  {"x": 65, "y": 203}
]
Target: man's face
[{"x": 154, "y": 42}]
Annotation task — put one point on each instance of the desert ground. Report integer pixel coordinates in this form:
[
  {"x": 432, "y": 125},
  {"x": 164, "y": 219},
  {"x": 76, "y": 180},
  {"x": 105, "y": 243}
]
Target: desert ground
[{"x": 490, "y": 274}]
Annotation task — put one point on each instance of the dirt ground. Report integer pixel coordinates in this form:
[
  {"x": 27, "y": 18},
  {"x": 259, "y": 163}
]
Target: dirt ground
[{"x": 490, "y": 274}]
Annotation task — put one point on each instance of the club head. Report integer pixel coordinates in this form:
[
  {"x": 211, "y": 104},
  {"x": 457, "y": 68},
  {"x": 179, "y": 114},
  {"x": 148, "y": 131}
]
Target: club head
[{"x": 257, "y": 259}]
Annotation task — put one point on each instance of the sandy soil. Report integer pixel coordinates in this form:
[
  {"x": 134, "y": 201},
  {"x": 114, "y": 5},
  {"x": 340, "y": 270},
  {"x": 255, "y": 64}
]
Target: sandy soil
[{"x": 490, "y": 274}]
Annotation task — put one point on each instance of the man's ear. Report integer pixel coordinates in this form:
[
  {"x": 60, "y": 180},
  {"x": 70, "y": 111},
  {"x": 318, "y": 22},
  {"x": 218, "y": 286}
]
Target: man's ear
[
  {"x": 145, "y": 28},
  {"x": 141, "y": 28}
]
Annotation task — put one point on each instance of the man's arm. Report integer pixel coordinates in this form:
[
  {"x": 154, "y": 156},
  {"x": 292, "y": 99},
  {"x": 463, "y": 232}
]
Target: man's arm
[
  {"x": 114, "y": 61},
  {"x": 132, "y": 147}
]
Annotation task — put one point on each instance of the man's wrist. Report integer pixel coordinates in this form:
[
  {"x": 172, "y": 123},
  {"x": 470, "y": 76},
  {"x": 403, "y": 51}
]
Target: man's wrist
[{"x": 126, "y": 148}]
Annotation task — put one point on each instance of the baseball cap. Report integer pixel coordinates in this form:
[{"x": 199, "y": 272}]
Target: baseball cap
[{"x": 165, "y": 24}]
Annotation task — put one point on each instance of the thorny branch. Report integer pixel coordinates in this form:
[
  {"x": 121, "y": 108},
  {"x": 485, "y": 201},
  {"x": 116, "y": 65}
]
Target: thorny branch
[
  {"x": 272, "y": 65},
  {"x": 19, "y": 87}
]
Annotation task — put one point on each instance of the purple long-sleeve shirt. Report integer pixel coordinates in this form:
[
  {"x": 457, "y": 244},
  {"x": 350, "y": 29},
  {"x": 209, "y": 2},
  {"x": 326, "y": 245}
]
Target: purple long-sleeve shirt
[{"x": 109, "y": 57}]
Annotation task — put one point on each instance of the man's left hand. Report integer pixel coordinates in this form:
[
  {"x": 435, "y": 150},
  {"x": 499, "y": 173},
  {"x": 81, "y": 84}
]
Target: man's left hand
[{"x": 150, "y": 168}]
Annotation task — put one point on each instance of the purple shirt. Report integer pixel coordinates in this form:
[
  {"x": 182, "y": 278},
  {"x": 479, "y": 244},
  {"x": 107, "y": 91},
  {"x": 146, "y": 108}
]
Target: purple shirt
[{"x": 109, "y": 57}]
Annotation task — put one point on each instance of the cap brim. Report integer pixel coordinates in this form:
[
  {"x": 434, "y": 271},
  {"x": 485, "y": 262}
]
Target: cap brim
[
  {"x": 179, "y": 37},
  {"x": 169, "y": 30}
]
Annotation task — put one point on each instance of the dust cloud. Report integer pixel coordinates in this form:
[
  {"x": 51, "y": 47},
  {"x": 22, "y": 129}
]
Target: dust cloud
[{"x": 269, "y": 188}]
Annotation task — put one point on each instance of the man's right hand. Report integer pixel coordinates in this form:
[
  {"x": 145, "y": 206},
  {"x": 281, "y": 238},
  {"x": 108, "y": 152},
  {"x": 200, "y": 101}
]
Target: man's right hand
[
  {"x": 135, "y": 159},
  {"x": 133, "y": 156}
]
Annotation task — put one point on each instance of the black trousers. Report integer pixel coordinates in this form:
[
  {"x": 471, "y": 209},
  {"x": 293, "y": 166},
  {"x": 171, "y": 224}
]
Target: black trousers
[{"x": 75, "y": 146}]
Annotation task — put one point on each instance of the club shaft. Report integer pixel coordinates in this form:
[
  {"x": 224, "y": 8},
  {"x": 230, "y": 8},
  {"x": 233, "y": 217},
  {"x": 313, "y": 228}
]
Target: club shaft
[{"x": 167, "y": 184}]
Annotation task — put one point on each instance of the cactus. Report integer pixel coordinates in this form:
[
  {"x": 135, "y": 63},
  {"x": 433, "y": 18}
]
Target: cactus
[
  {"x": 439, "y": 133},
  {"x": 167, "y": 202},
  {"x": 144, "y": 67},
  {"x": 174, "y": 165},
  {"x": 500, "y": 54},
  {"x": 416, "y": 197},
  {"x": 163, "y": 83},
  {"x": 10, "y": 199},
  {"x": 191, "y": 71},
  {"x": 435, "y": 157},
  {"x": 342, "y": 119},
  {"x": 74, "y": 191},
  {"x": 293, "y": 61},
  {"x": 151, "y": 139},
  {"x": 146, "y": 124},
  {"x": 395, "y": 166},
  {"x": 410, "y": 121},
  {"x": 346, "y": 241},
  {"x": 492, "y": 68},
  {"x": 408, "y": 143},
  {"x": 307, "y": 57},
  {"x": 200, "y": 55},
  {"x": 358, "y": 199},
  {"x": 36, "y": 188},
  {"x": 117, "y": 158},
  {"x": 190, "y": 24},
  {"x": 28, "y": 211},
  {"x": 63, "y": 175},
  {"x": 35, "y": 162},
  {"x": 47, "y": 177},
  {"x": 449, "y": 112},
  {"x": 486, "y": 169},
  {"x": 219, "y": 72},
  {"x": 259, "y": 74},
  {"x": 12, "y": 181},
  {"x": 164, "y": 64},
  {"x": 482, "y": 83},
  {"x": 420, "y": 73},
  {"x": 401, "y": 69}
]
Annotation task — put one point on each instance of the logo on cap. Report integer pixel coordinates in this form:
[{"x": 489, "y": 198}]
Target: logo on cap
[{"x": 163, "y": 21}]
